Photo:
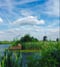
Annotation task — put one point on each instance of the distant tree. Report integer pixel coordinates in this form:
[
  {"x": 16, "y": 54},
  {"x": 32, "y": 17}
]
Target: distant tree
[
  {"x": 57, "y": 39},
  {"x": 0, "y": 42},
  {"x": 28, "y": 38},
  {"x": 45, "y": 38}
]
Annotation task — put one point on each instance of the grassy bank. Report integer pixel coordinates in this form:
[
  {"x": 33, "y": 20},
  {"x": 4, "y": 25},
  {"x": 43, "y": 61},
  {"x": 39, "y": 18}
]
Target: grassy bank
[
  {"x": 40, "y": 45},
  {"x": 6, "y": 42},
  {"x": 48, "y": 53}
]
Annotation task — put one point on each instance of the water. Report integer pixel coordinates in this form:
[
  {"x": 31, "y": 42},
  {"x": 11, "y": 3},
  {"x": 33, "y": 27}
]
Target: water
[
  {"x": 3, "y": 47},
  {"x": 24, "y": 55}
]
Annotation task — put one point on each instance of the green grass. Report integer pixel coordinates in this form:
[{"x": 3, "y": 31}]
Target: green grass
[
  {"x": 50, "y": 45},
  {"x": 48, "y": 52}
]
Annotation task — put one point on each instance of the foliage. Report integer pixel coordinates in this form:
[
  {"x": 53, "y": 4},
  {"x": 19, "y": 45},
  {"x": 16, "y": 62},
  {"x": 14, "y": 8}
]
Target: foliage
[
  {"x": 48, "y": 55},
  {"x": 5, "y": 42},
  {"x": 28, "y": 38},
  {"x": 45, "y": 38}
]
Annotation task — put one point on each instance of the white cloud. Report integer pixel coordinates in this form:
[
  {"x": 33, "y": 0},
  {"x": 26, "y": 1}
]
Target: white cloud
[
  {"x": 24, "y": 2},
  {"x": 51, "y": 33},
  {"x": 36, "y": 31},
  {"x": 1, "y": 32},
  {"x": 9, "y": 5},
  {"x": 54, "y": 23},
  {"x": 26, "y": 12},
  {"x": 1, "y": 20},
  {"x": 29, "y": 20},
  {"x": 52, "y": 7},
  {"x": 29, "y": 23}
]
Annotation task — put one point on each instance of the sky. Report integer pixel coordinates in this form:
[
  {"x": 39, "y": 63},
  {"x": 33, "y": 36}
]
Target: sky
[{"x": 35, "y": 17}]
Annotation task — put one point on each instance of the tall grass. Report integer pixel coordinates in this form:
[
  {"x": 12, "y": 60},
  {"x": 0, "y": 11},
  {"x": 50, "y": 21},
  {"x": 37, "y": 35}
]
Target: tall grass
[{"x": 48, "y": 55}]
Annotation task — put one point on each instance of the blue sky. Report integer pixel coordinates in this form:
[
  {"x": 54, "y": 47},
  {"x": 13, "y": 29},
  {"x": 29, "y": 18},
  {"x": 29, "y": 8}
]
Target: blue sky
[{"x": 34, "y": 17}]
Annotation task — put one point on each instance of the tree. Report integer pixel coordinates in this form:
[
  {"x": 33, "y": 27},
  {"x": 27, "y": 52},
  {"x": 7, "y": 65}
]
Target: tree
[
  {"x": 28, "y": 38},
  {"x": 45, "y": 38},
  {"x": 57, "y": 39}
]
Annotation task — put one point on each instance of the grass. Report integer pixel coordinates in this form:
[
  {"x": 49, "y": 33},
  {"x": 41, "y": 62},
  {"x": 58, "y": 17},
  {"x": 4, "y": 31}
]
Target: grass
[
  {"x": 48, "y": 53},
  {"x": 41, "y": 45}
]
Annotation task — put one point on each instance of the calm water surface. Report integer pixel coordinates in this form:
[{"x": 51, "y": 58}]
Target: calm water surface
[
  {"x": 24, "y": 55},
  {"x": 3, "y": 47}
]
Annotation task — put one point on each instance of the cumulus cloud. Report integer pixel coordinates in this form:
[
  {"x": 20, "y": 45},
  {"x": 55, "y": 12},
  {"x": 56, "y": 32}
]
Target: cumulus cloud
[
  {"x": 29, "y": 20},
  {"x": 1, "y": 20}
]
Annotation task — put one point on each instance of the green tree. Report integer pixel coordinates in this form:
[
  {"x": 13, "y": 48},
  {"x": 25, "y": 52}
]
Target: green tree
[
  {"x": 57, "y": 39},
  {"x": 45, "y": 38},
  {"x": 28, "y": 38}
]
